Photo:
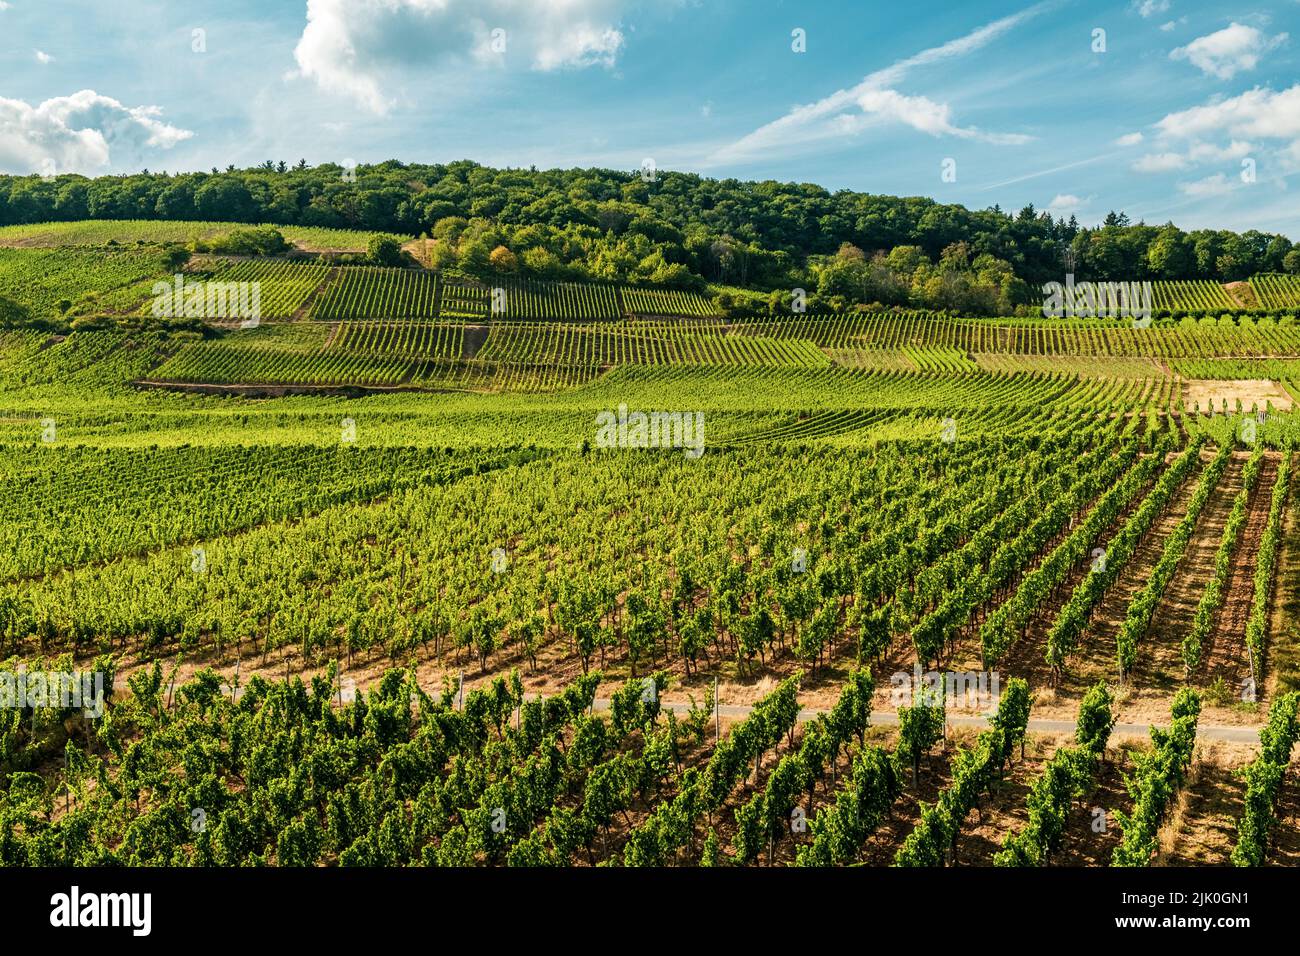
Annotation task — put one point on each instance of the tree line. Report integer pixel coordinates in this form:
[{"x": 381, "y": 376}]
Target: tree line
[{"x": 675, "y": 228}]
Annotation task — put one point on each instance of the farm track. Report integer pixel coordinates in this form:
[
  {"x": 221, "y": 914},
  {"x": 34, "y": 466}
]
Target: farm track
[
  {"x": 1226, "y": 655},
  {"x": 1159, "y": 655}
]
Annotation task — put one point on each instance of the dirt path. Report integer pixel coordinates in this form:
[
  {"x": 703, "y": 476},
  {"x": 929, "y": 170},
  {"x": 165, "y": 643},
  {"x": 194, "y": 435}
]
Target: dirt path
[
  {"x": 1159, "y": 661},
  {"x": 1225, "y": 655}
]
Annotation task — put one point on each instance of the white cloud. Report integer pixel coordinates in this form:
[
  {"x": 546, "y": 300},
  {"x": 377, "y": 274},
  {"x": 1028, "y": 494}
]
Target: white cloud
[
  {"x": 43, "y": 57},
  {"x": 83, "y": 133},
  {"x": 1149, "y": 8},
  {"x": 1160, "y": 163},
  {"x": 1129, "y": 139},
  {"x": 1063, "y": 203},
  {"x": 351, "y": 47},
  {"x": 1232, "y": 50},
  {"x": 1216, "y": 185},
  {"x": 1198, "y": 152},
  {"x": 1259, "y": 113},
  {"x": 878, "y": 101}
]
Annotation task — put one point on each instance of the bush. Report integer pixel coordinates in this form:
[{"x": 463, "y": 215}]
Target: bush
[
  {"x": 262, "y": 241},
  {"x": 384, "y": 251}
]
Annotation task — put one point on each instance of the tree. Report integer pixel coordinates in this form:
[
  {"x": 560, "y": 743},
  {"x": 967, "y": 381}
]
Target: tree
[{"x": 503, "y": 260}]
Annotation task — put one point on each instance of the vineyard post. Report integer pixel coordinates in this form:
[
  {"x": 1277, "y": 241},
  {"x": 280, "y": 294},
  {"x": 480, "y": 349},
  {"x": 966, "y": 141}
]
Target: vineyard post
[{"x": 460, "y": 693}]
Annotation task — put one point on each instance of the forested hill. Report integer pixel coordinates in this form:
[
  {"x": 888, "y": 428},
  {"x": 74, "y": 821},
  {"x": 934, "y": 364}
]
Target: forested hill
[{"x": 678, "y": 229}]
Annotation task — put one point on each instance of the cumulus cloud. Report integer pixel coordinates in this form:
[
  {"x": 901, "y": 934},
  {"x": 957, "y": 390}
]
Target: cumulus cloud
[
  {"x": 1129, "y": 139},
  {"x": 1063, "y": 203},
  {"x": 1215, "y": 185},
  {"x": 43, "y": 57},
  {"x": 83, "y": 133},
  {"x": 351, "y": 47},
  {"x": 1259, "y": 113},
  {"x": 1234, "y": 49}
]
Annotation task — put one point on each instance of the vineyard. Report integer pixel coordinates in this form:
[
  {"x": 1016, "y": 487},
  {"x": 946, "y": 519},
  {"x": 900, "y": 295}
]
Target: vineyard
[{"x": 426, "y": 570}]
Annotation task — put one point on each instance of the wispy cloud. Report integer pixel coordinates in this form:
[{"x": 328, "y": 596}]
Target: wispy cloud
[
  {"x": 1048, "y": 172},
  {"x": 876, "y": 100}
]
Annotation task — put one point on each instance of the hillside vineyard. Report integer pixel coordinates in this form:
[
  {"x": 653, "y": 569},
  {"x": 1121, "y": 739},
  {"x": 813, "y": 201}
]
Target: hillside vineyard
[{"x": 427, "y": 565}]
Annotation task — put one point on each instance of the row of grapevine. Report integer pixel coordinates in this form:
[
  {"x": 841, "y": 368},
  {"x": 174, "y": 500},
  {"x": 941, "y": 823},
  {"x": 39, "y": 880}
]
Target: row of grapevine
[
  {"x": 1264, "y": 781},
  {"x": 671, "y": 826},
  {"x": 1008, "y": 623},
  {"x": 1001, "y": 549},
  {"x": 1207, "y": 610},
  {"x": 1265, "y": 567},
  {"x": 974, "y": 772},
  {"x": 1196, "y": 295},
  {"x": 768, "y": 814},
  {"x": 1068, "y": 776},
  {"x": 1063, "y": 637},
  {"x": 642, "y": 301},
  {"x": 1143, "y": 607},
  {"x": 283, "y": 286},
  {"x": 368, "y": 292},
  {"x": 1156, "y": 780},
  {"x": 1273, "y": 291}
]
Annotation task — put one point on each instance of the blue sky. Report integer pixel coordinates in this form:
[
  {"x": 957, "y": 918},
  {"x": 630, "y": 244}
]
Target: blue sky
[{"x": 1019, "y": 96}]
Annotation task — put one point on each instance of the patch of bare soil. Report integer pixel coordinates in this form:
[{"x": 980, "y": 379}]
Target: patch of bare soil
[
  {"x": 1210, "y": 393},
  {"x": 1242, "y": 293},
  {"x": 1202, "y": 826}
]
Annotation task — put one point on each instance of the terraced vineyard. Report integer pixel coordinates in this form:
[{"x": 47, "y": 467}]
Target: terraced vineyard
[
  {"x": 1276, "y": 291},
  {"x": 1199, "y": 296},
  {"x": 642, "y": 301},
  {"x": 367, "y": 292},
  {"x": 283, "y": 287}
]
